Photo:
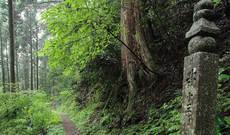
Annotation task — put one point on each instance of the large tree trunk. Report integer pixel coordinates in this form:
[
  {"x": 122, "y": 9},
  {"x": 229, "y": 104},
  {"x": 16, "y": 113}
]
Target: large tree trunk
[
  {"x": 26, "y": 71},
  {"x": 36, "y": 47},
  {"x": 2, "y": 64},
  {"x": 37, "y": 59},
  {"x": 128, "y": 35},
  {"x": 17, "y": 46},
  {"x": 31, "y": 55},
  {"x": 12, "y": 46},
  {"x": 8, "y": 69},
  {"x": 134, "y": 36},
  {"x": 17, "y": 69},
  {"x": 143, "y": 37},
  {"x": 31, "y": 69}
]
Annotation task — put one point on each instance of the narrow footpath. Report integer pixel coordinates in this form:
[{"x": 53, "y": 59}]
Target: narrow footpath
[{"x": 68, "y": 125}]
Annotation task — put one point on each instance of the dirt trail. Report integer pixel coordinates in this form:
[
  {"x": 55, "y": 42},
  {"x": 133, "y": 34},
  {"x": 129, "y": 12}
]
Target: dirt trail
[{"x": 68, "y": 125}]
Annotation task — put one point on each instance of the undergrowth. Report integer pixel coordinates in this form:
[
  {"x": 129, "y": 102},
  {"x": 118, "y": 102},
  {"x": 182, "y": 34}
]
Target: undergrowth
[
  {"x": 26, "y": 113},
  {"x": 94, "y": 119},
  {"x": 163, "y": 120},
  {"x": 81, "y": 116}
]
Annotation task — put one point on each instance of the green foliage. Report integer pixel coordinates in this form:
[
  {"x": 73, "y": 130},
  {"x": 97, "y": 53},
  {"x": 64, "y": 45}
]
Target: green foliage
[
  {"x": 40, "y": 112},
  {"x": 223, "y": 76},
  {"x": 223, "y": 104},
  {"x": 80, "y": 115},
  {"x": 26, "y": 113},
  {"x": 163, "y": 120},
  {"x": 79, "y": 31},
  {"x": 56, "y": 130},
  {"x": 216, "y": 2},
  {"x": 92, "y": 119},
  {"x": 169, "y": 118}
]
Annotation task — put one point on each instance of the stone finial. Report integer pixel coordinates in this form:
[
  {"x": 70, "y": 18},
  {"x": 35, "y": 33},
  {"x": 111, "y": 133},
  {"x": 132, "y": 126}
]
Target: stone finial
[
  {"x": 204, "y": 13},
  {"x": 200, "y": 73},
  {"x": 204, "y": 4},
  {"x": 203, "y": 29},
  {"x": 203, "y": 44}
]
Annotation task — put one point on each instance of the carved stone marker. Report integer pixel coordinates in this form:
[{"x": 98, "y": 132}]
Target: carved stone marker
[
  {"x": 200, "y": 73},
  {"x": 199, "y": 94}
]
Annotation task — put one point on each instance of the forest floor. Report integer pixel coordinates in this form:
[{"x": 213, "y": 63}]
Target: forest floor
[{"x": 68, "y": 125}]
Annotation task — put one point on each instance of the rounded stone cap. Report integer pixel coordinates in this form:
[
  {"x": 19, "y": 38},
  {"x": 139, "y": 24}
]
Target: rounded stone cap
[
  {"x": 204, "y": 4},
  {"x": 204, "y": 13},
  {"x": 202, "y": 27},
  {"x": 201, "y": 44}
]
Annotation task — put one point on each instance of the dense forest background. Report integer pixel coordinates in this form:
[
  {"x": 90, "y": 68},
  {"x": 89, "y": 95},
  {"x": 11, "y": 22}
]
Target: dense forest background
[{"x": 113, "y": 66}]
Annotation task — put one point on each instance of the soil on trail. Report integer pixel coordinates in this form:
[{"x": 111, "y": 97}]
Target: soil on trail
[{"x": 68, "y": 125}]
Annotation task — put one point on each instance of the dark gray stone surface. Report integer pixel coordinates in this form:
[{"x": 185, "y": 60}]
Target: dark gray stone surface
[
  {"x": 199, "y": 94},
  {"x": 204, "y": 13},
  {"x": 201, "y": 44},
  {"x": 201, "y": 27},
  {"x": 204, "y": 4}
]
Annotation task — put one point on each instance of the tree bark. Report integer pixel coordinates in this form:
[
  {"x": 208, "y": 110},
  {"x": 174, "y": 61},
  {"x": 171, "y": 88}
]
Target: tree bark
[
  {"x": 2, "y": 64},
  {"x": 135, "y": 36},
  {"x": 37, "y": 61},
  {"x": 129, "y": 61},
  {"x": 17, "y": 69},
  {"x": 142, "y": 37},
  {"x": 37, "y": 43},
  {"x": 8, "y": 69},
  {"x": 12, "y": 46},
  {"x": 31, "y": 55},
  {"x": 26, "y": 71}
]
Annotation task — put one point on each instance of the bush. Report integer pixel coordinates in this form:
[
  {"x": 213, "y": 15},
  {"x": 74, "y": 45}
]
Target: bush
[{"x": 26, "y": 113}]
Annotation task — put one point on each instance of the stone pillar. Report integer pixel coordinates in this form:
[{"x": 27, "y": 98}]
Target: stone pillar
[{"x": 200, "y": 73}]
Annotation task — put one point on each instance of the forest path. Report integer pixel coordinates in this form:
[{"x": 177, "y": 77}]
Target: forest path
[{"x": 68, "y": 125}]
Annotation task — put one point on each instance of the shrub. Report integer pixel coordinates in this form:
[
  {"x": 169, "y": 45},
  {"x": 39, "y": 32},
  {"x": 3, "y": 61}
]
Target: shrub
[{"x": 26, "y": 113}]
